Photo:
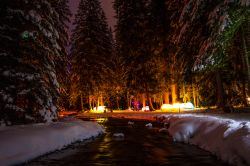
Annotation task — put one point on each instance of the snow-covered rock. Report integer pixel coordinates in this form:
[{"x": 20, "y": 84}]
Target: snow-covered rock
[
  {"x": 118, "y": 136},
  {"x": 131, "y": 123},
  {"x": 149, "y": 125},
  {"x": 121, "y": 135},
  {"x": 229, "y": 140},
  {"x": 22, "y": 143},
  {"x": 163, "y": 130}
]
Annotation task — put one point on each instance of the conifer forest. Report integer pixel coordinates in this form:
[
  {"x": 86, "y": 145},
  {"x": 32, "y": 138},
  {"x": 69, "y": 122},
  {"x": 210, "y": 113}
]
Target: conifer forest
[{"x": 159, "y": 52}]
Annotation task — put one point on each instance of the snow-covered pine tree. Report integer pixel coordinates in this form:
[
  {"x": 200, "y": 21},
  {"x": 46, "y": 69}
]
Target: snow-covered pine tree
[
  {"x": 91, "y": 49},
  {"x": 62, "y": 63},
  {"x": 127, "y": 41},
  {"x": 29, "y": 48},
  {"x": 61, "y": 24}
]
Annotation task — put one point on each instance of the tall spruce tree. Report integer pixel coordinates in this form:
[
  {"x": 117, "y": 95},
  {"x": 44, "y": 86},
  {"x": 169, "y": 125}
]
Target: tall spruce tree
[
  {"x": 91, "y": 50},
  {"x": 160, "y": 27},
  {"x": 133, "y": 36},
  {"x": 30, "y": 47}
]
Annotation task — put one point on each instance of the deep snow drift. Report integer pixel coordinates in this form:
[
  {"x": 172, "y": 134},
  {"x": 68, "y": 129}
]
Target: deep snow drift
[
  {"x": 22, "y": 143},
  {"x": 229, "y": 140}
]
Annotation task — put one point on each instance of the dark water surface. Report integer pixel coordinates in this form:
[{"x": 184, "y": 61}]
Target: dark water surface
[{"x": 140, "y": 147}]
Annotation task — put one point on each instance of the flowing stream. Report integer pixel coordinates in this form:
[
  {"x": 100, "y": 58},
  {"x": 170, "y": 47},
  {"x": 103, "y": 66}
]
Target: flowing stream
[{"x": 140, "y": 146}]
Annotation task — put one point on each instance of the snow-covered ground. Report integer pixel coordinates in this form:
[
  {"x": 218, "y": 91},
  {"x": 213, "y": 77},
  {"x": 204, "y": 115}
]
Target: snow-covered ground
[
  {"x": 228, "y": 139},
  {"x": 22, "y": 143}
]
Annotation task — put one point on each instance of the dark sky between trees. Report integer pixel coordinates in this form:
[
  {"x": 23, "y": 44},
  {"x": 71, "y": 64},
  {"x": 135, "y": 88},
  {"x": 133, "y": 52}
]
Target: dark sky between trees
[{"x": 107, "y": 6}]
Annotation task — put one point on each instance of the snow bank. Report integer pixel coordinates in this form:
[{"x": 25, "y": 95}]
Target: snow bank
[
  {"x": 22, "y": 143},
  {"x": 229, "y": 140}
]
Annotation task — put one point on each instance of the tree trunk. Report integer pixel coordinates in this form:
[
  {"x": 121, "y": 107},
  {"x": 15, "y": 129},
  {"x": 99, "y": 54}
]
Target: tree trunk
[
  {"x": 110, "y": 105},
  {"x": 143, "y": 100},
  {"x": 97, "y": 103},
  {"x": 135, "y": 103},
  {"x": 81, "y": 102},
  {"x": 243, "y": 80},
  {"x": 184, "y": 93},
  {"x": 174, "y": 93},
  {"x": 128, "y": 101},
  {"x": 117, "y": 103},
  {"x": 197, "y": 97},
  {"x": 246, "y": 60},
  {"x": 149, "y": 99},
  {"x": 194, "y": 95},
  {"x": 90, "y": 105},
  {"x": 220, "y": 92},
  {"x": 244, "y": 93},
  {"x": 151, "y": 105},
  {"x": 166, "y": 97},
  {"x": 101, "y": 100},
  {"x": 162, "y": 100}
]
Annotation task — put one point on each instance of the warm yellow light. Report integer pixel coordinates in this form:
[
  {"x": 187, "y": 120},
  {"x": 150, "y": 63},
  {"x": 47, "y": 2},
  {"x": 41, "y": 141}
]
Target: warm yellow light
[
  {"x": 99, "y": 109},
  {"x": 188, "y": 105},
  {"x": 177, "y": 106},
  {"x": 166, "y": 106},
  {"x": 101, "y": 120},
  {"x": 146, "y": 108},
  {"x": 248, "y": 100}
]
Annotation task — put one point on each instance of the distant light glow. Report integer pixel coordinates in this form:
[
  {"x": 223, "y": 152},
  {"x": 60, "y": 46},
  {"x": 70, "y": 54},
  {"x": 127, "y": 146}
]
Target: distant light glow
[
  {"x": 166, "y": 106},
  {"x": 248, "y": 100},
  {"x": 176, "y": 106},
  {"x": 99, "y": 109},
  {"x": 101, "y": 120},
  {"x": 146, "y": 108},
  {"x": 188, "y": 105}
]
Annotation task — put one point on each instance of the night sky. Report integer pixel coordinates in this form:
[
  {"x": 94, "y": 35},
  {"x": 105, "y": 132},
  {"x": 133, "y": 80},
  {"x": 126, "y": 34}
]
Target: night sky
[{"x": 107, "y": 6}]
